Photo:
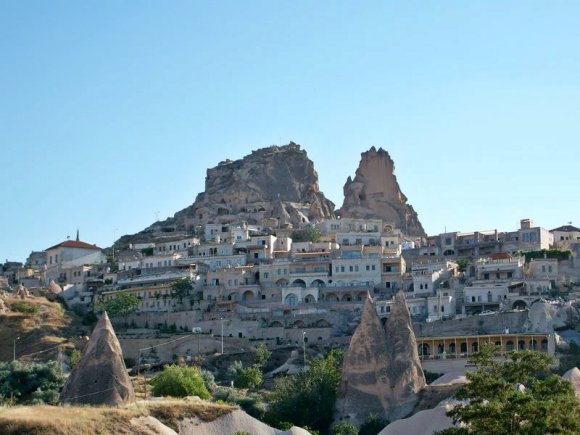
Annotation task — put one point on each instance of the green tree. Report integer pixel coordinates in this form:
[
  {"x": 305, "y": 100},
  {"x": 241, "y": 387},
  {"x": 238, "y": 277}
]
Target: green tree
[
  {"x": 462, "y": 264},
  {"x": 179, "y": 382},
  {"x": 75, "y": 357},
  {"x": 307, "y": 234},
  {"x": 249, "y": 377},
  {"x": 121, "y": 305},
  {"x": 345, "y": 428},
  {"x": 181, "y": 288},
  {"x": 308, "y": 398},
  {"x": 373, "y": 425},
  {"x": 262, "y": 355},
  {"x": 515, "y": 396},
  {"x": 31, "y": 383}
]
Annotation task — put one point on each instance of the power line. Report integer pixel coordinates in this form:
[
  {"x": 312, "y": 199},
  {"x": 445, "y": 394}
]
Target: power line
[{"x": 89, "y": 394}]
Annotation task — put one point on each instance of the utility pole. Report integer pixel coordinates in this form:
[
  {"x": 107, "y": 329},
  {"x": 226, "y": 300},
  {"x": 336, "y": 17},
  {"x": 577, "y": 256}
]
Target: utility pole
[
  {"x": 222, "y": 320},
  {"x": 304, "y": 347},
  {"x": 14, "y": 349}
]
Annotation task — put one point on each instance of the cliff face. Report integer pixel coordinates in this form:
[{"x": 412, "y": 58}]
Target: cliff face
[
  {"x": 277, "y": 182},
  {"x": 375, "y": 193},
  {"x": 382, "y": 373}
]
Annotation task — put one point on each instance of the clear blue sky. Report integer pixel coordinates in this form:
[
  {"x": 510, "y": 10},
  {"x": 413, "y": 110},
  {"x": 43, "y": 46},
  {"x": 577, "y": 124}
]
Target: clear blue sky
[{"x": 111, "y": 111}]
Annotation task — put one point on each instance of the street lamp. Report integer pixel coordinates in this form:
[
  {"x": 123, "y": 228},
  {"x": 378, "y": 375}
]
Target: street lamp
[
  {"x": 304, "y": 347},
  {"x": 222, "y": 320},
  {"x": 14, "y": 349}
]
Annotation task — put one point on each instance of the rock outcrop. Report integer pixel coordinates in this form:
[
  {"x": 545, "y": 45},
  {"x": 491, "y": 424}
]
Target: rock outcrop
[
  {"x": 424, "y": 422},
  {"x": 234, "y": 422},
  {"x": 375, "y": 193},
  {"x": 573, "y": 375},
  {"x": 382, "y": 373},
  {"x": 278, "y": 182},
  {"x": 406, "y": 377},
  {"x": 100, "y": 377}
]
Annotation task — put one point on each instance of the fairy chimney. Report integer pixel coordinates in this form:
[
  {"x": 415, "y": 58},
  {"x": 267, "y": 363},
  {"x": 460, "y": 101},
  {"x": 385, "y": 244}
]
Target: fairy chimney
[
  {"x": 100, "y": 377},
  {"x": 382, "y": 373}
]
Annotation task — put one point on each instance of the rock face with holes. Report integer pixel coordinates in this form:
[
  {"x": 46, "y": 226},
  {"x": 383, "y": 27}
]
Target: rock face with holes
[
  {"x": 278, "y": 183},
  {"x": 382, "y": 373},
  {"x": 100, "y": 377},
  {"x": 375, "y": 193}
]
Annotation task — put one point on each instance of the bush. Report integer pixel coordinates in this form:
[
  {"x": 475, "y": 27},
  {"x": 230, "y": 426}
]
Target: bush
[
  {"x": 250, "y": 377},
  {"x": 252, "y": 404},
  {"x": 208, "y": 380},
  {"x": 180, "y": 382},
  {"x": 75, "y": 357},
  {"x": 308, "y": 398},
  {"x": 345, "y": 428},
  {"x": 262, "y": 355},
  {"x": 373, "y": 425},
  {"x": 31, "y": 383},
  {"x": 24, "y": 307}
]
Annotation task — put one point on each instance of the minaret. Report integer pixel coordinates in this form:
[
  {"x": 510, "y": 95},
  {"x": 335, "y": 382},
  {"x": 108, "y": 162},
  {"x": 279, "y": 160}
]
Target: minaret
[{"x": 78, "y": 235}]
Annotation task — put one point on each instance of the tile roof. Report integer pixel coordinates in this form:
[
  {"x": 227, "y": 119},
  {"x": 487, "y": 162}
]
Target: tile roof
[{"x": 75, "y": 244}]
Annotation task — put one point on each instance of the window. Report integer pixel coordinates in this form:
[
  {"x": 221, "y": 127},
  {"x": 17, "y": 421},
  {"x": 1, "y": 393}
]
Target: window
[{"x": 373, "y": 267}]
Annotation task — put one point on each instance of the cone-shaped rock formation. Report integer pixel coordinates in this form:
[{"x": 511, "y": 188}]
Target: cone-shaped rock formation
[
  {"x": 382, "y": 373},
  {"x": 406, "y": 377},
  {"x": 375, "y": 193},
  {"x": 100, "y": 377}
]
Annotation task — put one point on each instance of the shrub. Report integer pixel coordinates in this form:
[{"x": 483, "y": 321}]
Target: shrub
[
  {"x": 252, "y": 404},
  {"x": 24, "y": 307},
  {"x": 75, "y": 357},
  {"x": 208, "y": 380},
  {"x": 29, "y": 383},
  {"x": 250, "y": 377},
  {"x": 262, "y": 355},
  {"x": 179, "y": 382},
  {"x": 373, "y": 425},
  {"x": 345, "y": 428},
  {"x": 308, "y": 398}
]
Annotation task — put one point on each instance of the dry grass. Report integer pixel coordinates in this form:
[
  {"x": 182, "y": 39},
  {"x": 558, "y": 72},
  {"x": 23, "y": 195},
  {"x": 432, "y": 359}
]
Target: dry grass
[
  {"x": 170, "y": 411},
  {"x": 52, "y": 420},
  {"x": 38, "y": 330}
]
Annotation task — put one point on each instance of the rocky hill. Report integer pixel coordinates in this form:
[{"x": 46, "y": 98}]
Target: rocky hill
[
  {"x": 375, "y": 193},
  {"x": 278, "y": 187},
  {"x": 278, "y": 182}
]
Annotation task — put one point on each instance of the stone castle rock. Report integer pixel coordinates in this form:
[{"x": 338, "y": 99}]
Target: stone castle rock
[
  {"x": 382, "y": 373},
  {"x": 100, "y": 377},
  {"x": 278, "y": 182},
  {"x": 375, "y": 193}
]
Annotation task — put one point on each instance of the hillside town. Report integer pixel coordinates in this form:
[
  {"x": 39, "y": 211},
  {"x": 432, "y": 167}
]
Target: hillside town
[
  {"x": 245, "y": 268},
  {"x": 275, "y": 284}
]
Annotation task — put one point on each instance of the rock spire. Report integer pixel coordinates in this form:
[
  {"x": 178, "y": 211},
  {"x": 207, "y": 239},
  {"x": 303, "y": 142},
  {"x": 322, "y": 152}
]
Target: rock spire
[
  {"x": 100, "y": 377},
  {"x": 375, "y": 193},
  {"x": 382, "y": 373}
]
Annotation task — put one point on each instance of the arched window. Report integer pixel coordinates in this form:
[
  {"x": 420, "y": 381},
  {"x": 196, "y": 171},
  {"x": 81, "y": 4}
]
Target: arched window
[{"x": 291, "y": 299}]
